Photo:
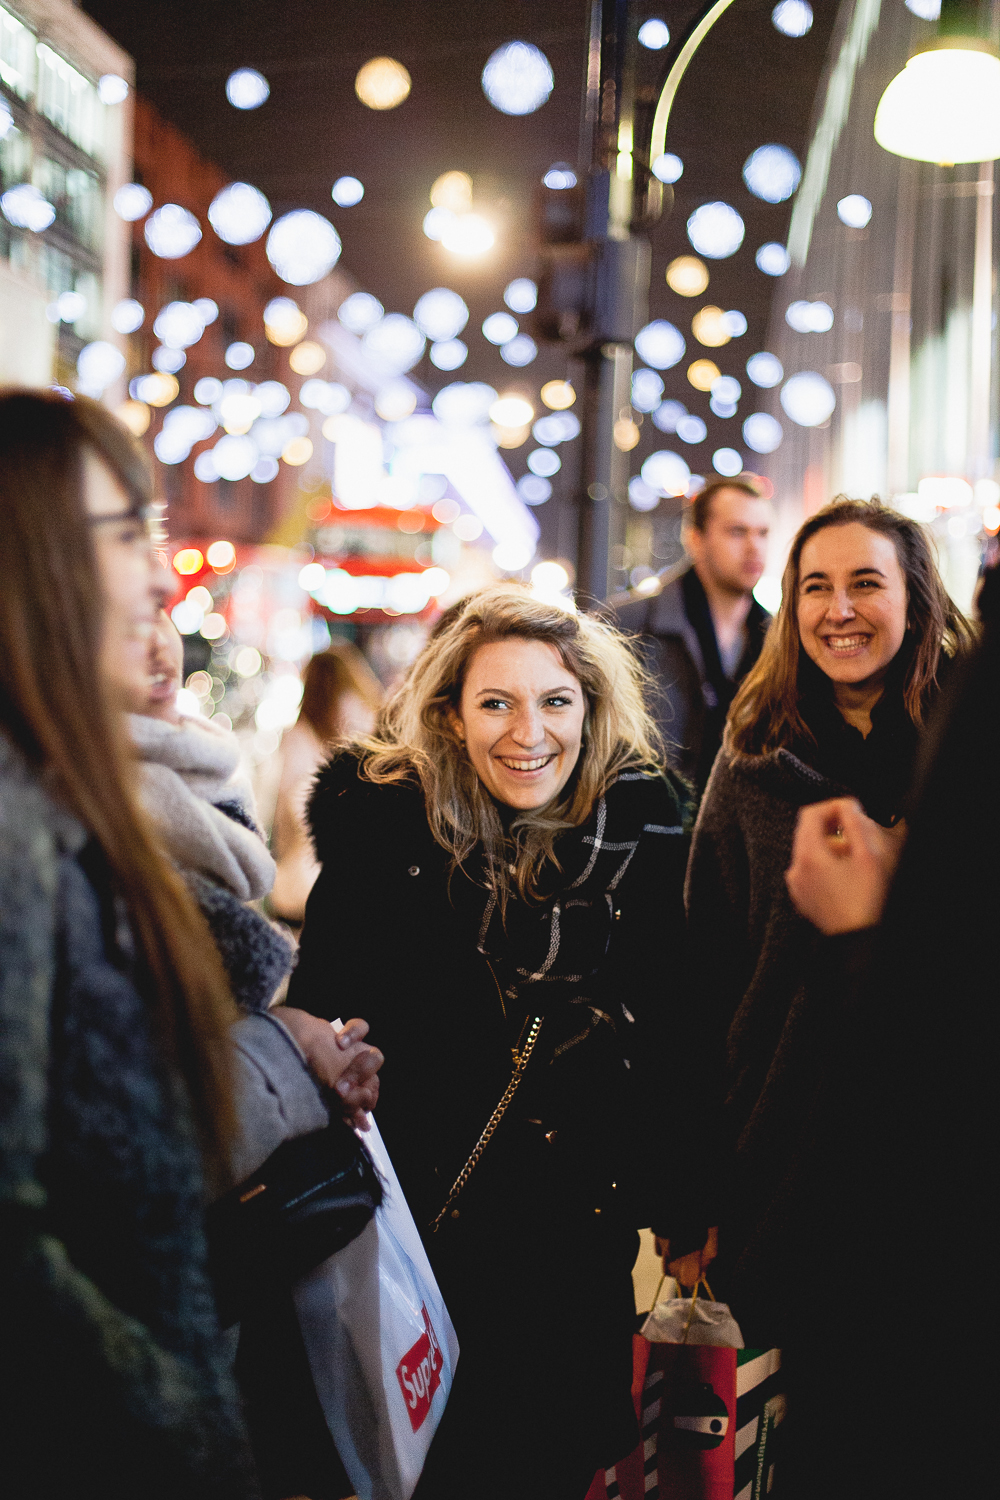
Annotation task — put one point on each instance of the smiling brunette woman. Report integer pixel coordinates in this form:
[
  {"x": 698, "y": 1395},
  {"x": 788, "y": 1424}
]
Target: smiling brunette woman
[
  {"x": 502, "y": 874},
  {"x": 849, "y": 672}
]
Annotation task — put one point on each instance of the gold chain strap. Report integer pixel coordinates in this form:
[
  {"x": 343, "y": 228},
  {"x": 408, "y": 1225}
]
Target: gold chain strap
[{"x": 521, "y": 1062}]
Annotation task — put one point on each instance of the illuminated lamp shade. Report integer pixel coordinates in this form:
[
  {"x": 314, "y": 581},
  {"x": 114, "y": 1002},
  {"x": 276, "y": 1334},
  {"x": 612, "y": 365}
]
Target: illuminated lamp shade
[
  {"x": 558, "y": 395},
  {"x": 945, "y": 105},
  {"x": 762, "y": 433},
  {"x": 187, "y": 561},
  {"x": 135, "y": 415},
  {"x": 728, "y": 462},
  {"x": 709, "y": 327},
  {"x": 792, "y": 17},
  {"x": 519, "y": 351},
  {"x": 239, "y": 214},
  {"x": 765, "y": 370},
  {"x": 112, "y": 89},
  {"x": 521, "y": 294},
  {"x": 452, "y": 191},
  {"x": 772, "y": 173},
  {"x": 284, "y": 322},
  {"x": 808, "y": 398},
  {"x": 297, "y": 452},
  {"x": 666, "y": 473},
  {"x": 303, "y": 247},
  {"x": 660, "y": 344},
  {"x": 156, "y": 390},
  {"x": 647, "y": 390},
  {"x": 703, "y": 374},
  {"x": 532, "y": 489},
  {"x": 517, "y": 79},
  {"x": 132, "y": 201},
  {"x": 855, "y": 211},
  {"x": 26, "y": 208},
  {"x": 467, "y": 235},
  {"x": 383, "y": 83},
  {"x": 691, "y": 429},
  {"x": 221, "y": 556},
  {"x": 511, "y": 411},
  {"x": 360, "y": 311},
  {"x": 715, "y": 230},
  {"x": 654, "y": 34},
  {"x": 307, "y": 358},
  {"x": 395, "y": 401},
  {"x": 239, "y": 356},
  {"x": 687, "y": 276},
  {"x": 449, "y": 355},
  {"x": 98, "y": 365},
  {"x": 347, "y": 191},
  {"x": 441, "y": 314},
  {"x": 773, "y": 259},
  {"x": 626, "y": 434},
  {"x": 396, "y": 342},
  {"x": 668, "y": 167},
  {"x": 171, "y": 232},
  {"x": 247, "y": 89},
  {"x": 127, "y": 315}
]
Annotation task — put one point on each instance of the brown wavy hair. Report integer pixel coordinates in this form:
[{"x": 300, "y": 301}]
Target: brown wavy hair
[
  {"x": 54, "y": 706},
  {"x": 415, "y": 738},
  {"x": 340, "y": 669},
  {"x": 764, "y": 715}
]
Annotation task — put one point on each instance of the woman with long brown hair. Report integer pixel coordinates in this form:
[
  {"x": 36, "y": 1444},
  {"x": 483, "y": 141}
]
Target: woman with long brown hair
[
  {"x": 850, "y": 671},
  {"x": 502, "y": 863}
]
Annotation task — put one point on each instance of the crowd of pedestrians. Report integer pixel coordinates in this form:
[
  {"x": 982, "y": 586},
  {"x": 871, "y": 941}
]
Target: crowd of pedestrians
[{"x": 662, "y": 902}]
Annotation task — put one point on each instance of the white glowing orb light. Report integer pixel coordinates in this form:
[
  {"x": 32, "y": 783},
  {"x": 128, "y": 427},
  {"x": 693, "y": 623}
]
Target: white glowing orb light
[
  {"x": 654, "y": 34},
  {"x": 26, "y": 208},
  {"x": 765, "y": 370},
  {"x": 273, "y": 397},
  {"x": 773, "y": 259},
  {"x": 715, "y": 230},
  {"x": 303, "y": 247},
  {"x": 312, "y": 577},
  {"x": 726, "y": 388},
  {"x": 111, "y": 89},
  {"x": 532, "y": 489},
  {"x": 347, "y": 191},
  {"x": 178, "y": 325},
  {"x": 467, "y": 235},
  {"x": 762, "y": 433},
  {"x": 691, "y": 429},
  {"x": 647, "y": 390},
  {"x": 247, "y": 89},
  {"x": 772, "y": 173},
  {"x": 521, "y": 294},
  {"x": 67, "y": 308},
  {"x": 519, "y": 351},
  {"x": 264, "y": 470},
  {"x": 512, "y": 557},
  {"x": 808, "y": 398},
  {"x": 449, "y": 355},
  {"x": 855, "y": 211},
  {"x": 221, "y": 556},
  {"x": 544, "y": 462},
  {"x": 238, "y": 410},
  {"x": 666, "y": 473},
  {"x": 441, "y": 314},
  {"x": 240, "y": 356},
  {"x": 207, "y": 390},
  {"x": 132, "y": 201},
  {"x": 728, "y": 462},
  {"x": 927, "y": 10},
  {"x": 396, "y": 342},
  {"x": 511, "y": 411},
  {"x": 642, "y": 496},
  {"x": 464, "y": 404},
  {"x": 436, "y": 220},
  {"x": 360, "y": 311},
  {"x": 239, "y": 214},
  {"x": 560, "y": 427},
  {"x": 660, "y": 344},
  {"x": 234, "y": 456},
  {"x": 734, "y": 322},
  {"x": 560, "y": 177},
  {"x": 666, "y": 417},
  {"x": 206, "y": 309},
  {"x": 98, "y": 365},
  {"x": 944, "y": 106},
  {"x": 792, "y": 17},
  {"x": 171, "y": 232},
  {"x": 168, "y": 360},
  {"x": 127, "y": 315},
  {"x": 395, "y": 401},
  {"x": 809, "y": 317},
  {"x": 668, "y": 167},
  {"x": 518, "y": 79},
  {"x": 499, "y": 328}
]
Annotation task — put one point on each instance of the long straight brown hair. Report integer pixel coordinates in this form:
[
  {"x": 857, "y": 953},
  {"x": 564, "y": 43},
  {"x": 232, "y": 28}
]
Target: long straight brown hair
[
  {"x": 765, "y": 712},
  {"x": 55, "y": 707}
]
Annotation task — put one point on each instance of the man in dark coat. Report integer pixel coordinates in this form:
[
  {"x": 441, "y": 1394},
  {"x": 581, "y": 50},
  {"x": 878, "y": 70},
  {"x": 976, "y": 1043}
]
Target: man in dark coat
[{"x": 702, "y": 629}]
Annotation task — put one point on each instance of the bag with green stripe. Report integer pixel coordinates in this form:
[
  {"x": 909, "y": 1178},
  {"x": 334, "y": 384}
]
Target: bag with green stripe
[{"x": 708, "y": 1409}]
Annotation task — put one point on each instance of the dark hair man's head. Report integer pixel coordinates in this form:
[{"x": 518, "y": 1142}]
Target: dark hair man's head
[{"x": 727, "y": 526}]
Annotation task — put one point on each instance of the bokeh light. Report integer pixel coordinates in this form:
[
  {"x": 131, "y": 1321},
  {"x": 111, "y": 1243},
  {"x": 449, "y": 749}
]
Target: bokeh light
[
  {"x": 559, "y": 177},
  {"x": 626, "y": 434},
  {"x": 691, "y": 429},
  {"x": 239, "y": 355},
  {"x": 98, "y": 365},
  {"x": 666, "y": 473},
  {"x": 26, "y": 208},
  {"x": 452, "y": 191},
  {"x": 855, "y": 211},
  {"x": 519, "y": 351},
  {"x": 127, "y": 315},
  {"x": 112, "y": 89},
  {"x": 468, "y": 235},
  {"x": 207, "y": 390},
  {"x": 533, "y": 490},
  {"x": 307, "y": 358},
  {"x": 303, "y": 247},
  {"x": 273, "y": 397},
  {"x": 762, "y": 432},
  {"x": 171, "y": 232},
  {"x": 687, "y": 276},
  {"x": 792, "y": 17},
  {"x": 132, "y": 201},
  {"x": 360, "y": 311},
  {"x": 521, "y": 294},
  {"x": 462, "y": 404},
  {"x": 715, "y": 230},
  {"x": 654, "y": 34},
  {"x": 239, "y": 214},
  {"x": 773, "y": 259},
  {"x": 247, "y": 89},
  {"x": 347, "y": 191},
  {"x": 808, "y": 398},
  {"x": 168, "y": 360},
  {"x": 155, "y": 390},
  {"x": 396, "y": 342},
  {"x": 383, "y": 83},
  {"x": 709, "y": 327},
  {"x": 178, "y": 325},
  {"x": 558, "y": 395},
  {"x": 703, "y": 374},
  {"x": 765, "y": 370},
  {"x": 441, "y": 314},
  {"x": 728, "y": 462},
  {"x": 517, "y": 79},
  {"x": 451, "y": 354},
  {"x": 772, "y": 173},
  {"x": 284, "y": 321},
  {"x": 395, "y": 401},
  {"x": 809, "y": 317},
  {"x": 187, "y": 561},
  {"x": 221, "y": 556},
  {"x": 511, "y": 411},
  {"x": 667, "y": 167},
  {"x": 668, "y": 414},
  {"x": 660, "y": 344},
  {"x": 647, "y": 390},
  {"x": 135, "y": 415}
]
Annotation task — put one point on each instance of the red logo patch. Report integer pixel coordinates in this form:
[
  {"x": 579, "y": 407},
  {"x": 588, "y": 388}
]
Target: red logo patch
[{"x": 419, "y": 1373}]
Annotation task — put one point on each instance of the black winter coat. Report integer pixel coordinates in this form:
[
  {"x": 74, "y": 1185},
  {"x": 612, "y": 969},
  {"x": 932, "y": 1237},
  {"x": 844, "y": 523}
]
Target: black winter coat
[{"x": 536, "y": 1266}]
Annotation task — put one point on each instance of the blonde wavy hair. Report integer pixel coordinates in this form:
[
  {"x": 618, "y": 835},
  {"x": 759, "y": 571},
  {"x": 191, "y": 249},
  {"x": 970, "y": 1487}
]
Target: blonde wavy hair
[{"x": 415, "y": 739}]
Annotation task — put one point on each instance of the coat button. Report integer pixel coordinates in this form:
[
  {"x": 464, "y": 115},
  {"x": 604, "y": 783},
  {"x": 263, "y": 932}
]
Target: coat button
[{"x": 413, "y": 870}]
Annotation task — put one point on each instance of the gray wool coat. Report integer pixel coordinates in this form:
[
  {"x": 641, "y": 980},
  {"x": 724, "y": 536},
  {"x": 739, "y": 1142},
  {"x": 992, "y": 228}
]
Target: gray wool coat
[
  {"x": 113, "y": 1378},
  {"x": 752, "y": 957}
]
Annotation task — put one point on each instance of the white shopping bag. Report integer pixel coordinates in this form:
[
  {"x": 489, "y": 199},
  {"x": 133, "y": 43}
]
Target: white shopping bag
[{"x": 381, "y": 1346}]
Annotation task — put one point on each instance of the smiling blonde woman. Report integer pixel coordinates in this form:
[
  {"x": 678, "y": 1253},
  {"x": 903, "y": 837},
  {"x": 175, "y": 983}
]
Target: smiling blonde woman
[{"x": 502, "y": 867}]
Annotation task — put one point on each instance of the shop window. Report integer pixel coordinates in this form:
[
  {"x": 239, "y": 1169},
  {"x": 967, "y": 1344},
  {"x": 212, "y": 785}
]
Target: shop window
[
  {"x": 15, "y": 158},
  {"x": 76, "y": 197},
  {"x": 17, "y": 55},
  {"x": 70, "y": 101}
]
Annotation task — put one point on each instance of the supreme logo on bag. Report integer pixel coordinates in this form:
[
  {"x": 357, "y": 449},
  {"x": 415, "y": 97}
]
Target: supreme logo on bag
[{"x": 419, "y": 1373}]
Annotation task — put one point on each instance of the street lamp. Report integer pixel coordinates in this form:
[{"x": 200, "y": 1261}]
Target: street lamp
[{"x": 945, "y": 105}]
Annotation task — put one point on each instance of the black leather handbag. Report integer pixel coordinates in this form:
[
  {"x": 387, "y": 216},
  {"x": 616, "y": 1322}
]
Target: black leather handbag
[{"x": 310, "y": 1198}]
